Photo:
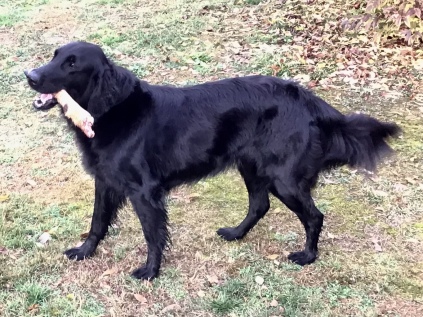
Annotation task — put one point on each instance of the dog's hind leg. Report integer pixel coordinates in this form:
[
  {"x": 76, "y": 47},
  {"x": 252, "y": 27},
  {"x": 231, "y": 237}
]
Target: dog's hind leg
[
  {"x": 258, "y": 197},
  {"x": 298, "y": 199},
  {"x": 106, "y": 204},
  {"x": 152, "y": 214}
]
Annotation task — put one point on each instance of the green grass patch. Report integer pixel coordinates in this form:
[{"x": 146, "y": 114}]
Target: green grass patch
[
  {"x": 13, "y": 12},
  {"x": 34, "y": 297},
  {"x": 9, "y": 19},
  {"x": 23, "y": 221},
  {"x": 276, "y": 292}
]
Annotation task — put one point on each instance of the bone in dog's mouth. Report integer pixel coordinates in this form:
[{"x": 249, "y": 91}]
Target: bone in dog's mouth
[{"x": 72, "y": 110}]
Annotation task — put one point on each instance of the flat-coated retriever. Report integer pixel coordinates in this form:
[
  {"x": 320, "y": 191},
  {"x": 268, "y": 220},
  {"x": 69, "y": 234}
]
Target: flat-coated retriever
[{"x": 151, "y": 138}]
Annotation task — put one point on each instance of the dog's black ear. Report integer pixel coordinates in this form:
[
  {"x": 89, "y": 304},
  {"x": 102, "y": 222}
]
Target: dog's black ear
[{"x": 110, "y": 87}]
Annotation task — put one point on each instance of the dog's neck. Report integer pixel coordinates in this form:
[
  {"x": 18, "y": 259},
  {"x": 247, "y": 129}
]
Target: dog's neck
[{"x": 107, "y": 90}]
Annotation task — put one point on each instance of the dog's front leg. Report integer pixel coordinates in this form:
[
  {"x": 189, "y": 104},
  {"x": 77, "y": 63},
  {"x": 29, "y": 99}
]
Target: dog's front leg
[
  {"x": 149, "y": 206},
  {"x": 106, "y": 205}
]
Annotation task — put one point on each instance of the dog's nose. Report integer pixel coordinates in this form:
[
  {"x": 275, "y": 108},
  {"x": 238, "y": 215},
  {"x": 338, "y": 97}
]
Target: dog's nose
[{"x": 32, "y": 76}]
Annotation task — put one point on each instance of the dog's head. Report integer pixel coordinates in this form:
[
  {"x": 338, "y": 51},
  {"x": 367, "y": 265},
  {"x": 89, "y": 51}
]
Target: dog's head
[{"x": 75, "y": 67}]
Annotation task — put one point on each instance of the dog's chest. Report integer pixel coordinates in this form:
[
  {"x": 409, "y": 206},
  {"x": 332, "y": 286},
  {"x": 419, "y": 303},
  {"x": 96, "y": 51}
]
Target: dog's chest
[{"x": 119, "y": 169}]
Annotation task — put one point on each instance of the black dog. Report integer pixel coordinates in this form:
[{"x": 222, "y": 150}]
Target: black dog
[{"x": 150, "y": 139}]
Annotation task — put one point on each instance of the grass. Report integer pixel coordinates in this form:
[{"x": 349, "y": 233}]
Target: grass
[
  {"x": 368, "y": 266},
  {"x": 33, "y": 298}
]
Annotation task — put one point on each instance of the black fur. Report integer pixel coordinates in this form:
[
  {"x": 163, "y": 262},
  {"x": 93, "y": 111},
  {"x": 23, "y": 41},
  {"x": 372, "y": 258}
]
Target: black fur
[{"x": 150, "y": 139}]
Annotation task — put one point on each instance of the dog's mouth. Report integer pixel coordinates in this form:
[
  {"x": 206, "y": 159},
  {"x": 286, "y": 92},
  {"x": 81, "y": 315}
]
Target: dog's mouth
[{"x": 44, "y": 102}]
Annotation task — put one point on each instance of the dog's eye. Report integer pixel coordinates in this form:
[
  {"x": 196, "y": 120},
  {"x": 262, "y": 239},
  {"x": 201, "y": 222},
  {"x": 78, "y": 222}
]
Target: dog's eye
[{"x": 71, "y": 61}]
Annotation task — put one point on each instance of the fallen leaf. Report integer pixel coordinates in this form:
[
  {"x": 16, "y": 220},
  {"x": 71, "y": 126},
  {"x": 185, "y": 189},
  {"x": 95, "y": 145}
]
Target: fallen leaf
[
  {"x": 170, "y": 308},
  {"x": 274, "y": 303},
  {"x": 277, "y": 210},
  {"x": 377, "y": 246},
  {"x": 275, "y": 69},
  {"x": 193, "y": 196},
  {"x": 410, "y": 180},
  {"x": 148, "y": 284},
  {"x": 312, "y": 84},
  {"x": 111, "y": 271},
  {"x": 84, "y": 235},
  {"x": 140, "y": 298},
  {"x": 44, "y": 238},
  {"x": 33, "y": 308},
  {"x": 400, "y": 187},
  {"x": 104, "y": 251},
  {"x": 259, "y": 280},
  {"x": 58, "y": 282},
  {"x": 4, "y": 198},
  {"x": 380, "y": 193},
  {"x": 212, "y": 279},
  {"x": 53, "y": 231},
  {"x": 328, "y": 181},
  {"x": 31, "y": 182},
  {"x": 273, "y": 256},
  {"x": 412, "y": 240},
  {"x": 70, "y": 296},
  {"x": 304, "y": 78}
]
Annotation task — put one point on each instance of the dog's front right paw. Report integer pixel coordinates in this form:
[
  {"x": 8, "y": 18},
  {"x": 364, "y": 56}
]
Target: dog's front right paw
[
  {"x": 145, "y": 273},
  {"x": 230, "y": 234},
  {"x": 77, "y": 254},
  {"x": 302, "y": 257}
]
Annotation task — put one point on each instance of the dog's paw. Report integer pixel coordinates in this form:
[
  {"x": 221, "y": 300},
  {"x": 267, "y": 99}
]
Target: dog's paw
[
  {"x": 145, "y": 273},
  {"x": 230, "y": 234},
  {"x": 302, "y": 257},
  {"x": 77, "y": 254}
]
